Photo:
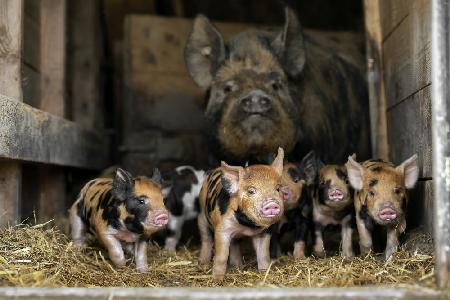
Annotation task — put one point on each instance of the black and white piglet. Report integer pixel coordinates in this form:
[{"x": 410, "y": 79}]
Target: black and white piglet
[{"x": 181, "y": 199}]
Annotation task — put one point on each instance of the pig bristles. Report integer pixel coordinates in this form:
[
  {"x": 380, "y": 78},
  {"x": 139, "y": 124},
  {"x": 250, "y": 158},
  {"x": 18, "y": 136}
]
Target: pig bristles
[{"x": 45, "y": 257}]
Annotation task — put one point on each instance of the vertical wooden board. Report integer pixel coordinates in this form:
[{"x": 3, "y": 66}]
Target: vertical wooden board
[
  {"x": 11, "y": 31},
  {"x": 53, "y": 57},
  {"x": 376, "y": 87},
  {"x": 31, "y": 86},
  {"x": 407, "y": 54},
  {"x": 85, "y": 58},
  {"x": 392, "y": 13},
  {"x": 420, "y": 206},
  {"x": 409, "y": 130},
  {"x": 32, "y": 9},
  {"x": 31, "y": 50},
  {"x": 52, "y": 193}
]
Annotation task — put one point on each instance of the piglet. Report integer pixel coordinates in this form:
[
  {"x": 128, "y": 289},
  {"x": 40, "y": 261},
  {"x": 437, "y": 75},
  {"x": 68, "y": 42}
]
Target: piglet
[
  {"x": 297, "y": 184},
  {"x": 120, "y": 210},
  {"x": 381, "y": 198},
  {"x": 182, "y": 201},
  {"x": 236, "y": 202},
  {"x": 333, "y": 205}
]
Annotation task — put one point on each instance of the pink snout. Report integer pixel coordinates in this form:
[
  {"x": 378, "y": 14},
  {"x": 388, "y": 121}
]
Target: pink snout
[
  {"x": 387, "y": 214},
  {"x": 335, "y": 194},
  {"x": 270, "y": 209},
  {"x": 160, "y": 219},
  {"x": 287, "y": 194}
]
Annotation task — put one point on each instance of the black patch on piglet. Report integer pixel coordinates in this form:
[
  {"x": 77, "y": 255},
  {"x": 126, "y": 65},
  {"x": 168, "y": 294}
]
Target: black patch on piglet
[
  {"x": 134, "y": 225},
  {"x": 323, "y": 191},
  {"x": 373, "y": 182},
  {"x": 341, "y": 175},
  {"x": 244, "y": 220},
  {"x": 294, "y": 174},
  {"x": 122, "y": 185},
  {"x": 223, "y": 199},
  {"x": 170, "y": 232},
  {"x": 365, "y": 217},
  {"x": 111, "y": 216},
  {"x": 376, "y": 169}
]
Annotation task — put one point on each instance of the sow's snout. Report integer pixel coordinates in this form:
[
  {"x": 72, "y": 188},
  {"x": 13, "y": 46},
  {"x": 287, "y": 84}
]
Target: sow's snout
[{"x": 256, "y": 102}]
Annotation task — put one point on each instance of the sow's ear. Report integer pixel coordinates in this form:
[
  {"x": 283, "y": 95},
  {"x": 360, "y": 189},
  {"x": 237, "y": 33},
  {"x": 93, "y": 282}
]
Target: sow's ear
[
  {"x": 156, "y": 177},
  {"x": 204, "y": 51},
  {"x": 231, "y": 176},
  {"x": 355, "y": 173},
  {"x": 122, "y": 184},
  {"x": 410, "y": 170},
  {"x": 277, "y": 163},
  {"x": 289, "y": 44},
  {"x": 309, "y": 167}
]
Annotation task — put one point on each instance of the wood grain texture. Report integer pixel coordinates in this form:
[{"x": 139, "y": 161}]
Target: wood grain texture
[
  {"x": 376, "y": 86},
  {"x": 392, "y": 13},
  {"x": 407, "y": 54},
  {"x": 31, "y": 50},
  {"x": 409, "y": 129},
  {"x": 30, "y": 134}
]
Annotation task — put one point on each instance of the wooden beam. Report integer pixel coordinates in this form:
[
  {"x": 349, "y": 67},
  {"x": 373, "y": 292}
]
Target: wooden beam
[
  {"x": 377, "y": 94},
  {"x": 52, "y": 180},
  {"x": 33, "y": 135},
  {"x": 11, "y": 33}
]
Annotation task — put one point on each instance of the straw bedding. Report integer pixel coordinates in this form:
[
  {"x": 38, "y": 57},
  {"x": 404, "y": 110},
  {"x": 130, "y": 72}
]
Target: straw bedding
[{"x": 43, "y": 256}]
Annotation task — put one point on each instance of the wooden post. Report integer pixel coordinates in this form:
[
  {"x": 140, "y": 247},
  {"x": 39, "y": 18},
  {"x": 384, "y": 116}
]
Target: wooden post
[
  {"x": 11, "y": 24},
  {"x": 52, "y": 190},
  {"x": 377, "y": 95},
  {"x": 440, "y": 77}
]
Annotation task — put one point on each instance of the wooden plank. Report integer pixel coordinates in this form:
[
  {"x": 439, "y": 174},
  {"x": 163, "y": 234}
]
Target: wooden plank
[
  {"x": 52, "y": 181},
  {"x": 407, "y": 56},
  {"x": 11, "y": 24},
  {"x": 392, "y": 13},
  {"x": 53, "y": 57},
  {"x": 33, "y": 10},
  {"x": 156, "y": 44},
  {"x": 261, "y": 293},
  {"x": 85, "y": 58},
  {"x": 30, "y": 134},
  {"x": 376, "y": 87},
  {"x": 409, "y": 130}
]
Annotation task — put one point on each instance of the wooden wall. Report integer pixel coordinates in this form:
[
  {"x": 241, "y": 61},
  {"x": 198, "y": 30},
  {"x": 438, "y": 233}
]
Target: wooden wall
[
  {"x": 399, "y": 44},
  {"x": 39, "y": 145}
]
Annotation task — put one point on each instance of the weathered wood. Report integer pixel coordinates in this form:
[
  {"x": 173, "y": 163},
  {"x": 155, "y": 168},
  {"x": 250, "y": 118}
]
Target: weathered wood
[
  {"x": 381, "y": 293},
  {"x": 52, "y": 181},
  {"x": 33, "y": 135},
  {"x": 33, "y": 10},
  {"x": 409, "y": 130},
  {"x": 31, "y": 50},
  {"x": 85, "y": 47},
  {"x": 11, "y": 30},
  {"x": 53, "y": 57},
  {"x": 31, "y": 86},
  {"x": 407, "y": 54},
  {"x": 441, "y": 143},
  {"x": 392, "y": 13},
  {"x": 376, "y": 87}
]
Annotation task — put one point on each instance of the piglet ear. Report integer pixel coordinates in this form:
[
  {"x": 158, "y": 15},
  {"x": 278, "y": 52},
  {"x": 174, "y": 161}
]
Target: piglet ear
[
  {"x": 355, "y": 173},
  {"x": 410, "y": 169},
  {"x": 231, "y": 176},
  {"x": 277, "y": 163},
  {"x": 122, "y": 184},
  {"x": 309, "y": 167},
  {"x": 156, "y": 177}
]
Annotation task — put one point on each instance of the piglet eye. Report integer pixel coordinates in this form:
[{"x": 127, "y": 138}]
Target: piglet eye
[
  {"x": 397, "y": 191},
  {"x": 141, "y": 201},
  {"x": 251, "y": 191},
  {"x": 371, "y": 193},
  {"x": 227, "y": 89},
  {"x": 278, "y": 188}
]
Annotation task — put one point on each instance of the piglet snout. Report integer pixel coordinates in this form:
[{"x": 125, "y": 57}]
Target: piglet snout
[
  {"x": 160, "y": 219},
  {"x": 287, "y": 194},
  {"x": 335, "y": 194},
  {"x": 270, "y": 209},
  {"x": 387, "y": 214}
]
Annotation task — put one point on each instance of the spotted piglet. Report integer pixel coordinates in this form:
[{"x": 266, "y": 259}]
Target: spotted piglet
[
  {"x": 182, "y": 202},
  {"x": 297, "y": 182},
  {"x": 333, "y": 205},
  {"x": 236, "y": 202},
  {"x": 120, "y": 210},
  {"x": 381, "y": 198}
]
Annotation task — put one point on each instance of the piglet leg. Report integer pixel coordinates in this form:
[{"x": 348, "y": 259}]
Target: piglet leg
[
  {"x": 346, "y": 232},
  {"x": 261, "y": 243},
  {"x": 222, "y": 242},
  {"x": 77, "y": 227},
  {"x": 235, "y": 255},
  {"x": 114, "y": 248},
  {"x": 319, "y": 248},
  {"x": 391, "y": 243},
  {"x": 140, "y": 256},
  {"x": 301, "y": 234},
  {"x": 175, "y": 227},
  {"x": 206, "y": 237},
  {"x": 365, "y": 237}
]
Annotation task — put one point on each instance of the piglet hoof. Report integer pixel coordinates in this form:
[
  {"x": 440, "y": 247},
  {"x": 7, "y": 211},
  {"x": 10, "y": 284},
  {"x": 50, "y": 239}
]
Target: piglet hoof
[
  {"x": 319, "y": 253},
  {"x": 218, "y": 276},
  {"x": 142, "y": 269},
  {"x": 388, "y": 253},
  {"x": 170, "y": 249},
  {"x": 299, "y": 254},
  {"x": 78, "y": 243},
  {"x": 348, "y": 254},
  {"x": 237, "y": 265}
]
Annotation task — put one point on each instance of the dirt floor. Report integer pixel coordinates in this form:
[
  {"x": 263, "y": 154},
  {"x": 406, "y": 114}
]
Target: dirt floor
[{"x": 43, "y": 256}]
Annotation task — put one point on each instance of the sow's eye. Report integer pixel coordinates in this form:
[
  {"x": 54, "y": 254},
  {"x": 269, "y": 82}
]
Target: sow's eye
[{"x": 251, "y": 191}]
